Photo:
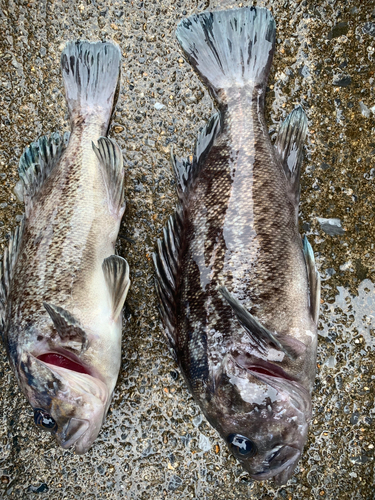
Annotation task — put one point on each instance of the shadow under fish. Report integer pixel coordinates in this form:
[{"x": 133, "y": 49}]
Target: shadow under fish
[{"x": 238, "y": 288}]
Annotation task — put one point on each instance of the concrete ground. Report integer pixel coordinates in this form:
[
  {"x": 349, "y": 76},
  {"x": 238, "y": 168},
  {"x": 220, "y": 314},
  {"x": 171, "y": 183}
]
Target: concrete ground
[{"x": 155, "y": 442}]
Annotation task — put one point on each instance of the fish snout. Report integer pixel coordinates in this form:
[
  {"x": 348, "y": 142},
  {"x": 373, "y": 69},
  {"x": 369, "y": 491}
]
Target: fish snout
[
  {"x": 72, "y": 432},
  {"x": 80, "y": 433},
  {"x": 280, "y": 466}
]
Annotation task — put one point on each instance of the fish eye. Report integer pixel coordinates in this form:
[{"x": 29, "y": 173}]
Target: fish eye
[
  {"x": 241, "y": 446},
  {"x": 44, "y": 420}
]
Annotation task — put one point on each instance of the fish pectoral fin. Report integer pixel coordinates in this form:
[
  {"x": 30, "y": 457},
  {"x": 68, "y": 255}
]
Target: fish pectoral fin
[
  {"x": 289, "y": 145},
  {"x": 111, "y": 163},
  {"x": 314, "y": 279},
  {"x": 261, "y": 338},
  {"x": 37, "y": 163},
  {"x": 68, "y": 328},
  {"x": 116, "y": 274}
]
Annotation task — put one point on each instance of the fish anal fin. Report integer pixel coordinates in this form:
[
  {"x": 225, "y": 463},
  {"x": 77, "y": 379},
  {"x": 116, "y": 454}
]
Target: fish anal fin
[
  {"x": 111, "y": 163},
  {"x": 313, "y": 278},
  {"x": 36, "y": 164},
  {"x": 289, "y": 145},
  {"x": 116, "y": 274},
  {"x": 260, "y": 336},
  {"x": 68, "y": 328}
]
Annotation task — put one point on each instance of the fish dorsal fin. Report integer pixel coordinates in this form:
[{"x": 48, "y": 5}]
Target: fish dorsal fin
[
  {"x": 261, "y": 338},
  {"x": 68, "y": 328},
  {"x": 314, "y": 279},
  {"x": 36, "y": 164},
  {"x": 187, "y": 171},
  {"x": 111, "y": 162},
  {"x": 7, "y": 265},
  {"x": 116, "y": 274},
  {"x": 289, "y": 145},
  {"x": 167, "y": 263}
]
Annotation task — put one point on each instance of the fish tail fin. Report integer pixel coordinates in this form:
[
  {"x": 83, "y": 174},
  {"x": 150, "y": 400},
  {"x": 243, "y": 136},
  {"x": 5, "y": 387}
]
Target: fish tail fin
[
  {"x": 91, "y": 73},
  {"x": 229, "y": 48}
]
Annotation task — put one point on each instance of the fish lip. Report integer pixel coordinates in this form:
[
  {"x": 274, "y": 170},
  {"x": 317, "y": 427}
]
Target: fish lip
[
  {"x": 78, "y": 428},
  {"x": 269, "y": 472}
]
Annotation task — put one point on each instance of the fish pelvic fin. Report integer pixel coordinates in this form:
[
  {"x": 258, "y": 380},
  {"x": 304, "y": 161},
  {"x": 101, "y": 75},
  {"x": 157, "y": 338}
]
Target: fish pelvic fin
[
  {"x": 229, "y": 48},
  {"x": 186, "y": 171},
  {"x": 68, "y": 328},
  {"x": 7, "y": 266},
  {"x": 260, "y": 336},
  {"x": 167, "y": 267},
  {"x": 289, "y": 145},
  {"x": 116, "y": 274},
  {"x": 314, "y": 279},
  {"x": 36, "y": 164},
  {"x": 111, "y": 163},
  {"x": 91, "y": 74}
]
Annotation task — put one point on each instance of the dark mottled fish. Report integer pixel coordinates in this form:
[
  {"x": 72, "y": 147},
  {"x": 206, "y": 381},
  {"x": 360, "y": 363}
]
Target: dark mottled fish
[
  {"x": 239, "y": 292},
  {"x": 62, "y": 289}
]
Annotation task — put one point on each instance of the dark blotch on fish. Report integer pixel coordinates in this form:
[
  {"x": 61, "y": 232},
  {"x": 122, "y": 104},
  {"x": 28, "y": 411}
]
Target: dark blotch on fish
[{"x": 238, "y": 288}]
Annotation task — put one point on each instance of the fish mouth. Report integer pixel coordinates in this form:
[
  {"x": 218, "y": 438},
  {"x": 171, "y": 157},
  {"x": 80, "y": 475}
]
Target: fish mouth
[
  {"x": 62, "y": 361},
  {"x": 281, "y": 470},
  {"x": 269, "y": 370}
]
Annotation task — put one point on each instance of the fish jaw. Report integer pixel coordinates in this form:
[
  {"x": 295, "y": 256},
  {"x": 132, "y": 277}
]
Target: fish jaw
[
  {"x": 270, "y": 411},
  {"x": 76, "y": 401},
  {"x": 83, "y": 425},
  {"x": 281, "y": 468}
]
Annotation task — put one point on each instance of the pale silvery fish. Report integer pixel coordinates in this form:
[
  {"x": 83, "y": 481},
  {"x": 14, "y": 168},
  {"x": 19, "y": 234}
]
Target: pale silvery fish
[
  {"x": 62, "y": 288},
  {"x": 239, "y": 291}
]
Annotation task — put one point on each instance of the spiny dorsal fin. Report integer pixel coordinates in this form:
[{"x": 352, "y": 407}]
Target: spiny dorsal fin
[
  {"x": 111, "y": 162},
  {"x": 261, "y": 337},
  {"x": 6, "y": 269},
  {"x": 167, "y": 263},
  {"x": 289, "y": 145},
  {"x": 187, "y": 171},
  {"x": 116, "y": 274},
  {"x": 67, "y": 326},
  {"x": 314, "y": 279},
  {"x": 36, "y": 164}
]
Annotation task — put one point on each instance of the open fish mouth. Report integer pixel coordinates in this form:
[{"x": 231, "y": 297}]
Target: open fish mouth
[
  {"x": 264, "y": 368},
  {"x": 57, "y": 359},
  {"x": 74, "y": 373}
]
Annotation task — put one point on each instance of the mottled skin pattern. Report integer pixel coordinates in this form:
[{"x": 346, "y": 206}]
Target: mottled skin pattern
[
  {"x": 70, "y": 230},
  {"x": 240, "y": 230},
  {"x": 68, "y": 234}
]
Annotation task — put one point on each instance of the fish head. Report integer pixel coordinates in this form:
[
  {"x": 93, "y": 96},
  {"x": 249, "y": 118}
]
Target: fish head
[
  {"x": 69, "y": 404},
  {"x": 263, "y": 418}
]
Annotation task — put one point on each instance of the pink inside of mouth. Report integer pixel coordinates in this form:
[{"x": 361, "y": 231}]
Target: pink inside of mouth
[{"x": 53, "y": 358}]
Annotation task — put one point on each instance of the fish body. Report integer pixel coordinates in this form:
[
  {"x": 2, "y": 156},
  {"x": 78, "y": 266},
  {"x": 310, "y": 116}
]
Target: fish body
[
  {"x": 62, "y": 286},
  {"x": 238, "y": 288}
]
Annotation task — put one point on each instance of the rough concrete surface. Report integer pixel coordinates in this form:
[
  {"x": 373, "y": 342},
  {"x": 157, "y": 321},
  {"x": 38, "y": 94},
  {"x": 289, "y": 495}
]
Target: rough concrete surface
[{"x": 155, "y": 442}]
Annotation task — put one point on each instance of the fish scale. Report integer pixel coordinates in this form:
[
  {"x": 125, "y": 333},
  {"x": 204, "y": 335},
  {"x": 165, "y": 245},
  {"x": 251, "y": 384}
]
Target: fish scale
[
  {"x": 62, "y": 289},
  {"x": 240, "y": 301}
]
